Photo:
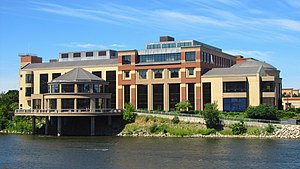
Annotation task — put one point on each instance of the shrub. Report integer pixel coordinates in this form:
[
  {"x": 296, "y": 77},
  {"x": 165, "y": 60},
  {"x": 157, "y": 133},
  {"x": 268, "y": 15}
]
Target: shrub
[
  {"x": 270, "y": 129},
  {"x": 238, "y": 128},
  {"x": 128, "y": 114},
  {"x": 183, "y": 106},
  {"x": 147, "y": 118},
  {"x": 153, "y": 128},
  {"x": 207, "y": 131},
  {"x": 175, "y": 120},
  {"x": 285, "y": 115},
  {"x": 262, "y": 112},
  {"x": 211, "y": 115}
]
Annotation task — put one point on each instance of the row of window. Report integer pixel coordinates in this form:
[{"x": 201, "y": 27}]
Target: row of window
[
  {"x": 81, "y": 88},
  {"x": 216, "y": 60},
  {"x": 266, "y": 86},
  {"x": 158, "y": 73},
  {"x": 87, "y": 54},
  {"x": 169, "y": 45}
]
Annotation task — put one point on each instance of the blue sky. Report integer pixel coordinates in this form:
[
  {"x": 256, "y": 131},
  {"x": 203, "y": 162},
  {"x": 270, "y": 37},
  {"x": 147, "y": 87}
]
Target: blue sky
[{"x": 268, "y": 30}]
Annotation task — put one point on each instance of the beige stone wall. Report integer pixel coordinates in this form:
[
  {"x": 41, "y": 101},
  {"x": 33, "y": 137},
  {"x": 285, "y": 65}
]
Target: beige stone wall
[{"x": 254, "y": 90}]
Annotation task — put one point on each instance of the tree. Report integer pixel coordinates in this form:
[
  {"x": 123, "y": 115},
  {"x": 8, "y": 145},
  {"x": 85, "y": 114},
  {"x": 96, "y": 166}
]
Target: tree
[
  {"x": 262, "y": 112},
  {"x": 211, "y": 115},
  {"x": 128, "y": 114},
  {"x": 183, "y": 106},
  {"x": 8, "y": 104}
]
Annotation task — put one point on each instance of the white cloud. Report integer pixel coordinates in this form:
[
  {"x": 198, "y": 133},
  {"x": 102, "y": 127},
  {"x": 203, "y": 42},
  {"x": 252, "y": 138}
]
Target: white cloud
[
  {"x": 118, "y": 45},
  {"x": 262, "y": 56},
  {"x": 294, "y": 3},
  {"x": 83, "y": 45}
]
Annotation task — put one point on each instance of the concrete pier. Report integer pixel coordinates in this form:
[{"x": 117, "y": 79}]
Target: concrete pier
[
  {"x": 58, "y": 126},
  {"x": 33, "y": 125},
  {"x": 92, "y": 126},
  {"x": 47, "y": 125}
]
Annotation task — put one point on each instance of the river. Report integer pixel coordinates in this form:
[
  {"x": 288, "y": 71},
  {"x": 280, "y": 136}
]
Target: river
[{"x": 26, "y": 151}]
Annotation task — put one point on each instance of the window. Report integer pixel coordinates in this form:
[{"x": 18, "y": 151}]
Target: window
[
  {"x": 174, "y": 95},
  {"x": 28, "y": 91},
  {"x": 76, "y": 55},
  {"x": 235, "y": 104},
  {"x": 65, "y": 55},
  {"x": 234, "y": 86},
  {"x": 97, "y": 88},
  {"x": 158, "y": 97},
  {"x": 153, "y": 46},
  {"x": 67, "y": 88},
  {"x": 126, "y": 94},
  {"x": 190, "y": 56},
  {"x": 43, "y": 83},
  {"x": 270, "y": 101},
  {"x": 166, "y": 57},
  {"x": 127, "y": 74},
  {"x": 157, "y": 73},
  {"x": 142, "y": 74},
  {"x": 102, "y": 53},
  {"x": 126, "y": 60},
  {"x": 206, "y": 93},
  {"x": 52, "y": 103},
  {"x": 174, "y": 73},
  {"x": 36, "y": 103},
  {"x": 191, "y": 71},
  {"x": 89, "y": 54},
  {"x": 67, "y": 103},
  {"x": 55, "y": 75},
  {"x": 191, "y": 95},
  {"x": 55, "y": 88},
  {"x": 111, "y": 88},
  {"x": 169, "y": 45},
  {"x": 184, "y": 44},
  {"x": 97, "y": 73},
  {"x": 142, "y": 96},
  {"x": 29, "y": 78},
  {"x": 267, "y": 86},
  {"x": 84, "y": 88}
]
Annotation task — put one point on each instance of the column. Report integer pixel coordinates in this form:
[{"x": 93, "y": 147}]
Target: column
[
  {"x": 75, "y": 105},
  {"x": 33, "y": 125},
  {"x": 92, "y": 126},
  {"x": 166, "y": 97},
  {"x": 92, "y": 105},
  {"x": 150, "y": 97},
  {"x": 47, "y": 125},
  {"x": 58, "y": 126}
]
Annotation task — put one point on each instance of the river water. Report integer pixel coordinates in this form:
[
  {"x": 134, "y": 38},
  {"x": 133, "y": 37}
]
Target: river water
[{"x": 26, "y": 151}]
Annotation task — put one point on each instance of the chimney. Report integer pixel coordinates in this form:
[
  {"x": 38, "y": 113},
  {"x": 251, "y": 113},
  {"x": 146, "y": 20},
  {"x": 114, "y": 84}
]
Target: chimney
[
  {"x": 29, "y": 58},
  {"x": 166, "y": 39}
]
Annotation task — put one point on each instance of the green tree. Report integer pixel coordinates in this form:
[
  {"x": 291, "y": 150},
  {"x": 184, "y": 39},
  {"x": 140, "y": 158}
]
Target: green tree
[
  {"x": 262, "y": 112},
  {"x": 211, "y": 115},
  {"x": 128, "y": 114},
  {"x": 8, "y": 104},
  {"x": 183, "y": 106},
  {"x": 238, "y": 128}
]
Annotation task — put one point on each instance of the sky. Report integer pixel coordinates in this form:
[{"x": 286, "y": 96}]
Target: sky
[{"x": 267, "y": 30}]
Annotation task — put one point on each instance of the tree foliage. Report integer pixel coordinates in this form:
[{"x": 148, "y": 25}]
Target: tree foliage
[
  {"x": 211, "y": 115},
  {"x": 8, "y": 104},
  {"x": 183, "y": 106},
  {"x": 238, "y": 128},
  {"x": 262, "y": 112},
  {"x": 128, "y": 114}
]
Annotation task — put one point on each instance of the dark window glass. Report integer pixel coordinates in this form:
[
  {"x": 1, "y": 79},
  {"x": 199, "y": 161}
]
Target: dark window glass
[
  {"x": 97, "y": 73},
  {"x": 154, "y": 46},
  {"x": 234, "y": 104},
  {"x": 76, "y": 55},
  {"x": 190, "y": 56},
  {"x": 83, "y": 104},
  {"x": 55, "y": 75},
  {"x": 36, "y": 104},
  {"x": 97, "y": 88},
  {"x": 267, "y": 86},
  {"x": 28, "y": 91},
  {"x": 53, "y": 104},
  {"x": 142, "y": 96},
  {"x": 270, "y": 101},
  {"x": 181, "y": 44},
  {"x": 43, "y": 83},
  {"x": 102, "y": 53},
  {"x": 113, "y": 53},
  {"x": 166, "y": 57},
  {"x": 158, "y": 97},
  {"x": 142, "y": 74},
  {"x": 126, "y": 94},
  {"x": 234, "y": 86},
  {"x": 174, "y": 95},
  {"x": 64, "y": 55},
  {"x": 55, "y": 88},
  {"x": 111, "y": 88},
  {"x": 169, "y": 45},
  {"x": 29, "y": 78},
  {"x": 191, "y": 95},
  {"x": 158, "y": 73},
  {"x": 67, "y": 88},
  {"x": 84, "y": 88},
  {"x": 191, "y": 71},
  {"x": 174, "y": 73},
  {"x": 206, "y": 93},
  {"x": 67, "y": 103},
  {"x": 127, "y": 73},
  {"x": 126, "y": 59},
  {"x": 89, "y": 54}
]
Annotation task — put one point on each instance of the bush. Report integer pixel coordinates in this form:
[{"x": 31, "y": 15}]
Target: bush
[
  {"x": 207, "y": 131},
  {"x": 270, "y": 129},
  {"x": 128, "y": 114},
  {"x": 285, "y": 115},
  {"x": 211, "y": 115},
  {"x": 238, "y": 128},
  {"x": 175, "y": 120},
  {"x": 153, "y": 128},
  {"x": 147, "y": 118},
  {"x": 183, "y": 106},
  {"x": 262, "y": 112}
]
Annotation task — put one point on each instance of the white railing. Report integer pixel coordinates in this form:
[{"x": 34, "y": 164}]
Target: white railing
[{"x": 47, "y": 111}]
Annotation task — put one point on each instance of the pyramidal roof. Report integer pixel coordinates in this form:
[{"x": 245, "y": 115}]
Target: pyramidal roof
[{"x": 77, "y": 75}]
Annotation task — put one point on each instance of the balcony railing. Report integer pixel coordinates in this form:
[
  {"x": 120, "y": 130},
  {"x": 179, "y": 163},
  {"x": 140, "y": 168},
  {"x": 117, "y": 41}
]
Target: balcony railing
[{"x": 68, "y": 111}]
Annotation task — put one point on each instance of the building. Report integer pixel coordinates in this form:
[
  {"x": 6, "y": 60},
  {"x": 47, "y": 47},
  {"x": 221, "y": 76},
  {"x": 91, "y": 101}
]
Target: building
[
  {"x": 290, "y": 92},
  {"x": 155, "y": 78}
]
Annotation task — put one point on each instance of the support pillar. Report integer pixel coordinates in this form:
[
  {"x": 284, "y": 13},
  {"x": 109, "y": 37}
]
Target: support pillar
[
  {"x": 33, "y": 125},
  {"x": 92, "y": 126},
  {"x": 58, "y": 126},
  {"x": 109, "y": 120},
  {"x": 47, "y": 126}
]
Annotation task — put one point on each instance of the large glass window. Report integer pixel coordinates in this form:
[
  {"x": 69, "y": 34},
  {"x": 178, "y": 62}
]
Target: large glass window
[
  {"x": 234, "y": 104},
  {"x": 126, "y": 94},
  {"x": 84, "y": 88},
  {"x": 64, "y": 55},
  {"x": 77, "y": 55},
  {"x": 142, "y": 74},
  {"x": 126, "y": 60},
  {"x": 142, "y": 96},
  {"x": 180, "y": 44},
  {"x": 267, "y": 86},
  {"x": 174, "y": 95},
  {"x": 67, "y": 88},
  {"x": 169, "y": 45},
  {"x": 29, "y": 78},
  {"x": 190, "y": 56},
  {"x": 166, "y": 57},
  {"x": 270, "y": 101},
  {"x": 52, "y": 103},
  {"x": 97, "y": 88},
  {"x": 158, "y": 97},
  {"x": 83, "y": 104},
  {"x": 234, "y": 86},
  {"x": 206, "y": 93},
  {"x": 28, "y": 91},
  {"x": 43, "y": 83},
  {"x": 191, "y": 95},
  {"x": 174, "y": 73},
  {"x": 55, "y": 88},
  {"x": 67, "y": 103},
  {"x": 154, "y": 46},
  {"x": 111, "y": 88},
  {"x": 89, "y": 54},
  {"x": 36, "y": 104},
  {"x": 55, "y": 75},
  {"x": 158, "y": 73},
  {"x": 102, "y": 53},
  {"x": 97, "y": 73}
]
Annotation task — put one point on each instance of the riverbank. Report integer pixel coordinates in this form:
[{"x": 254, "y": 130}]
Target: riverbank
[{"x": 154, "y": 126}]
